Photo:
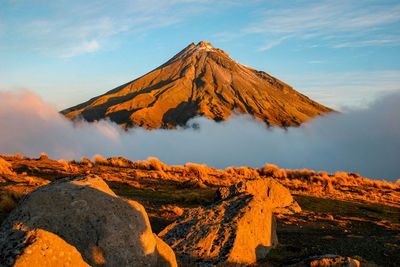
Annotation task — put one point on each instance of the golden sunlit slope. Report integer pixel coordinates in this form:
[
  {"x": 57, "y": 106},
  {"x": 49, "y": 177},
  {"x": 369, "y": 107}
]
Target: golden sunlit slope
[{"x": 200, "y": 80}]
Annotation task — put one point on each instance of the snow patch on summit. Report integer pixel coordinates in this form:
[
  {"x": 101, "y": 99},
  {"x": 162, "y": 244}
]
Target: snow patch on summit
[{"x": 204, "y": 46}]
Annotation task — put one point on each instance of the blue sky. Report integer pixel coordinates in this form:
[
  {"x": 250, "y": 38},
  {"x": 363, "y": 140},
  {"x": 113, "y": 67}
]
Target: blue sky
[{"x": 340, "y": 53}]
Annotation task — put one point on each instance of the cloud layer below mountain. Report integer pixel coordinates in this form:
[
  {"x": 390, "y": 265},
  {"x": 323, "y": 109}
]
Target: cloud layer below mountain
[{"x": 366, "y": 141}]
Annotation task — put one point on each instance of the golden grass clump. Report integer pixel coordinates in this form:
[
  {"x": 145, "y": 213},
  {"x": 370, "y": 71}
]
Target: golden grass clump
[
  {"x": 246, "y": 172},
  {"x": 120, "y": 162},
  {"x": 197, "y": 170},
  {"x": 342, "y": 178},
  {"x": 241, "y": 173},
  {"x": 87, "y": 162},
  {"x": 5, "y": 168},
  {"x": 43, "y": 156},
  {"x": 303, "y": 175},
  {"x": 151, "y": 164},
  {"x": 388, "y": 185},
  {"x": 177, "y": 169},
  {"x": 323, "y": 175},
  {"x": 271, "y": 170},
  {"x": 67, "y": 166},
  {"x": 142, "y": 165},
  {"x": 98, "y": 159},
  {"x": 157, "y": 165},
  {"x": 113, "y": 161}
]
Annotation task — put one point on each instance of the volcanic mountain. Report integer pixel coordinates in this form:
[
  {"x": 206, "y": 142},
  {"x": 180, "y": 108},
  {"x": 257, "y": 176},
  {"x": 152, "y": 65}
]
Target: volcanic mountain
[{"x": 199, "y": 81}]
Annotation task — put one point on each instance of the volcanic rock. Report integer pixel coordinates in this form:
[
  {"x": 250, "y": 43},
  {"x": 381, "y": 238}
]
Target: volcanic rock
[
  {"x": 199, "y": 81},
  {"x": 329, "y": 261},
  {"x": 240, "y": 230},
  {"x": 280, "y": 197},
  {"x": 85, "y": 213},
  {"x": 37, "y": 248}
]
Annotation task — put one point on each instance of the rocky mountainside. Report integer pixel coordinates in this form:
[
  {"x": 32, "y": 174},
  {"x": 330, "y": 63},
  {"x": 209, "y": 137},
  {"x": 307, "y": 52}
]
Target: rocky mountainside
[{"x": 199, "y": 81}]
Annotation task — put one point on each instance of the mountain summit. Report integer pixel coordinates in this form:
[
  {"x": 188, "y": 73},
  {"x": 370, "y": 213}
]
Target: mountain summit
[{"x": 199, "y": 81}]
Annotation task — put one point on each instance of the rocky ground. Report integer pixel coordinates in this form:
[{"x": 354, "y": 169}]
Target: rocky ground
[
  {"x": 370, "y": 233},
  {"x": 348, "y": 226}
]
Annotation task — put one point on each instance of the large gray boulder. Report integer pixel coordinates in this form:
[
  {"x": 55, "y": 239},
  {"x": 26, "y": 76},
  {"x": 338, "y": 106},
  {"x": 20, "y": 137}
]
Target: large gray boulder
[
  {"x": 240, "y": 229},
  {"x": 85, "y": 213},
  {"x": 266, "y": 188}
]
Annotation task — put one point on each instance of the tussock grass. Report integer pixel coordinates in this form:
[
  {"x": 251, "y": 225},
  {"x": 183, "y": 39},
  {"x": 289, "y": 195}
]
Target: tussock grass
[
  {"x": 113, "y": 161},
  {"x": 340, "y": 185},
  {"x": 43, "y": 156},
  {"x": 5, "y": 168}
]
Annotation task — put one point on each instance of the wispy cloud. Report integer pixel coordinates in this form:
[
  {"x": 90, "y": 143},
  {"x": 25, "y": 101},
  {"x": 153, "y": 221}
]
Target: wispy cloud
[
  {"x": 84, "y": 47},
  {"x": 393, "y": 42},
  {"x": 273, "y": 43},
  {"x": 316, "y": 61},
  {"x": 339, "y": 20},
  {"x": 327, "y": 15},
  {"x": 71, "y": 28}
]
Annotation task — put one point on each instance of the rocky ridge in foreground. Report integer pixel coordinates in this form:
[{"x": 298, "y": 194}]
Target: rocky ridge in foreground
[{"x": 341, "y": 214}]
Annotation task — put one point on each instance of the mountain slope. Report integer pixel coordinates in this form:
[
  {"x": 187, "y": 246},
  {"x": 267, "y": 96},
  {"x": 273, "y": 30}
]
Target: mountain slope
[{"x": 199, "y": 80}]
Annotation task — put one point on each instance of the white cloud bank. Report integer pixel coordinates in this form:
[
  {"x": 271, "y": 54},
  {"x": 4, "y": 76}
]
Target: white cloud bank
[{"x": 365, "y": 141}]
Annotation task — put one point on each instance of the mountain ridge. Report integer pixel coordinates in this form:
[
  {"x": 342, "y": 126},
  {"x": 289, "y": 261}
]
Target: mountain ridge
[{"x": 200, "y": 80}]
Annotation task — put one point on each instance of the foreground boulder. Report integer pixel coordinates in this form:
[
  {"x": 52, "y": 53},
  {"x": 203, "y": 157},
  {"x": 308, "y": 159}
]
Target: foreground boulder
[
  {"x": 38, "y": 248},
  {"x": 240, "y": 229},
  {"x": 280, "y": 197},
  {"x": 86, "y": 214}
]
